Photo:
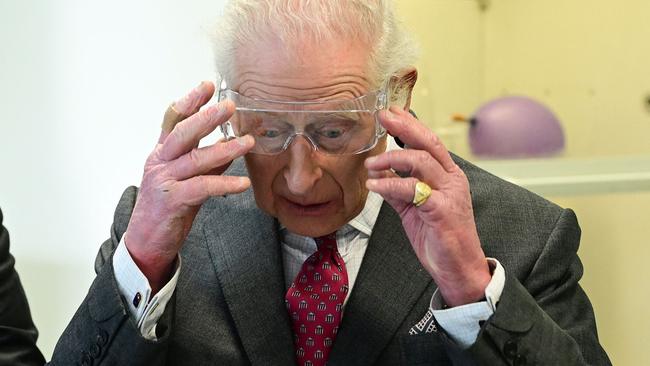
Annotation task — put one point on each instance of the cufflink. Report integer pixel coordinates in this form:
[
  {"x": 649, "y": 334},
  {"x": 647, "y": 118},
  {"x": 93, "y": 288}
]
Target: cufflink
[{"x": 136, "y": 299}]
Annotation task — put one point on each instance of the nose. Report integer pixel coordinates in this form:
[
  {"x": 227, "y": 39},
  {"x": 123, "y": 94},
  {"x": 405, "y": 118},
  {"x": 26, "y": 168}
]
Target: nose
[{"x": 302, "y": 172}]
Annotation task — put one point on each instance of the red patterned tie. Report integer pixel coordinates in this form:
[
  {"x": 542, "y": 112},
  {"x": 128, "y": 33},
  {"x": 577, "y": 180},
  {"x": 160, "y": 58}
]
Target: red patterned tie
[{"x": 315, "y": 300}]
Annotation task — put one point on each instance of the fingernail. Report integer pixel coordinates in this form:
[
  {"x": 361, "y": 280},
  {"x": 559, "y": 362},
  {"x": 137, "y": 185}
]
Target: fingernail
[
  {"x": 198, "y": 87},
  {"x": 370, "y": 183},
  {"x": 396, "y": 110},
  {"x": 371, "y": 160}
]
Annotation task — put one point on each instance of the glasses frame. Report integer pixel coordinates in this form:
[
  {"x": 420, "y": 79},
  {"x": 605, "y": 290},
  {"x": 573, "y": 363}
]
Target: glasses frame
[{"x": 380, "y": 102}]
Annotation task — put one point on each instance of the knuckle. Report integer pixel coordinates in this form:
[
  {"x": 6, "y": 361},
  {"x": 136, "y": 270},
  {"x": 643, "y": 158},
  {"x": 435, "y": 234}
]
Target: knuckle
[
  {"x": 195, "y": 157},
  {"x": 235, "y": 148},
  {"x": 204, "y": 186},
  {"x": 208, "y": 115},
  {"x": 394, "y": 185},
  {"x": 203, "y": 115},
  {"x": 154, "y": 156},
  {"x": 422, "y": 157},
  {"x": 434, "y": 139},
  {"x": 181, "y": 131},
  {"x": 193, "y": 105},
  {"x": 459, "y": 173},
  {"x": 221, "y": 152},
  {"x": 389, "y": 156}
]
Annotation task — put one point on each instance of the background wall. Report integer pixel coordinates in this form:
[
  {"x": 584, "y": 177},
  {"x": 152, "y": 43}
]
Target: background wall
[
  {"x": 83, "y": 85},
  {"x": 450, "y": 68}
]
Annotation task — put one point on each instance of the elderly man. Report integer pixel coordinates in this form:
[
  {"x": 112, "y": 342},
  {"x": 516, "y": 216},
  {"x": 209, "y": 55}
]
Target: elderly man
[{"x": 346, "y": 251}]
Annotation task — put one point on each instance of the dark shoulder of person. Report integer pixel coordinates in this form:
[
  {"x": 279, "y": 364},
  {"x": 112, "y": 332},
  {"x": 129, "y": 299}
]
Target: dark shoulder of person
[{"x": 17, "y": 331}]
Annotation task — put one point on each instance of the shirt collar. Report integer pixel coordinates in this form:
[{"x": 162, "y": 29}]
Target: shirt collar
[{"x": 365, "y": 220}]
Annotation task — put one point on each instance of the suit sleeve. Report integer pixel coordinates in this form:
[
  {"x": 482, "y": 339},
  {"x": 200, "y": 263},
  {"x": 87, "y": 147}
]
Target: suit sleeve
[
  {"x": 17, "y": 331},
  {"x": 544, "y": 318},
  {"x": 102, "y": 331}
]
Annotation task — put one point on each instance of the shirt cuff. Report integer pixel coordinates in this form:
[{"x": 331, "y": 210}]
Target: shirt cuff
[
  {"x": 134, "y": 287},
  {"x": 461, "y": 323}
]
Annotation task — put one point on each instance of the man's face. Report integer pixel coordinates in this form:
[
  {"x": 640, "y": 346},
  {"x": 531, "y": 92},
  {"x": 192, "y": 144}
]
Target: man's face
[{"x": 310, "y": 193}]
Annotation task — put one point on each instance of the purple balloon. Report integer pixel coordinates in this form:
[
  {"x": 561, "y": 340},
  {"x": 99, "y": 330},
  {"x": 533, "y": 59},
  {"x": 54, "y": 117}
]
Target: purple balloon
[{"x": 515, "y": 126}]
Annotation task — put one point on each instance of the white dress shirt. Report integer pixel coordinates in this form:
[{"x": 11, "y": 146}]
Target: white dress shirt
[{"x": 460, "y": 323}]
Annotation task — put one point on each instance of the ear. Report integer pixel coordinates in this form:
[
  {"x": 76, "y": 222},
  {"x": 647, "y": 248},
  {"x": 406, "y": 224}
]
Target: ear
[{"x": 401, "y": 85}]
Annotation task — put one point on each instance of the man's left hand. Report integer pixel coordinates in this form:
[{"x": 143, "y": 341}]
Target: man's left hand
[{"x": 442, "y": 230}]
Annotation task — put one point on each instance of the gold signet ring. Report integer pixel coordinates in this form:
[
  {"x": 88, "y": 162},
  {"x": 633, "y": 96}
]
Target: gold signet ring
[
  {"x": 422, "y": 193},
  {"x": 172, "y": 117}
]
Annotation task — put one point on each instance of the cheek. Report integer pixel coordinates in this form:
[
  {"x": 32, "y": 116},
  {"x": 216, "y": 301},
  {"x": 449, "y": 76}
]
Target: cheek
[
  {"x": 354, "y": 176},
  {"x": 262, "y": 171},
  {"x": 352, "y": 180}
]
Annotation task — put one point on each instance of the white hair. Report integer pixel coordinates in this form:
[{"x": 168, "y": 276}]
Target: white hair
[{"x": 372, "y": 22}]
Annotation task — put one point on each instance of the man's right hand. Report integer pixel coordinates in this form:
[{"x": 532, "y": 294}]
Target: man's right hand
[{"x": 178, "y": 177}]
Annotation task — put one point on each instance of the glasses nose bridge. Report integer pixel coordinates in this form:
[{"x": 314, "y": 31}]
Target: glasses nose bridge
[{"x": 304, "y": 135}]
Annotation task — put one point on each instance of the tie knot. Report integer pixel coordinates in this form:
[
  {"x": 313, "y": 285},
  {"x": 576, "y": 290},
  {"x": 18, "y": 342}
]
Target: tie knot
[{"x": 326, "y": 241}]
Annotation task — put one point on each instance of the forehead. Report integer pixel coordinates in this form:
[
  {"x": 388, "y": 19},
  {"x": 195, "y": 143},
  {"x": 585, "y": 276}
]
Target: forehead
[{"x": 303, "y": 71}]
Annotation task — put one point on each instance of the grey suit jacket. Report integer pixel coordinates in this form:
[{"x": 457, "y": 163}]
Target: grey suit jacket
[{"x": 228, "y": 307}]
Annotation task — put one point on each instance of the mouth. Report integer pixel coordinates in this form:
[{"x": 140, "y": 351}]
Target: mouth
[{"x": 308, "y": 209}]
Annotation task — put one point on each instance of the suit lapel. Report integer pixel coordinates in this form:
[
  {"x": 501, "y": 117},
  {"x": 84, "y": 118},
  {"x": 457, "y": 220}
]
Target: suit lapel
[
  {"x": 245, "y": 250},
  {"x": 390, "y": 282}
]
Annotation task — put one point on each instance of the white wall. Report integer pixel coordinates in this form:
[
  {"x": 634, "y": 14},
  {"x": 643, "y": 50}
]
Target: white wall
[{"x": 83, "y": 86}]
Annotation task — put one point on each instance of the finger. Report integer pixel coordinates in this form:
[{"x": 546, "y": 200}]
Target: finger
[
  {"x": 185, "y": 107},
  {"x": 416, "y": 135},
  {"x": 400, "y": 189},
  {"x": 170, "y": 119},
  {"x": 377, "y": 174},
  {"x": 196, "y": 190},
  {"x": 203, "y": 160},
  {"x": 399, "y": 192},
  {"x": 187, "y": 134},
  {"x": 416, "y": 163}
]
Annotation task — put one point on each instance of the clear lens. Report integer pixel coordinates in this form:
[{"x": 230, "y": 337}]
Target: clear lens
[{"x": 340, "y": 127}]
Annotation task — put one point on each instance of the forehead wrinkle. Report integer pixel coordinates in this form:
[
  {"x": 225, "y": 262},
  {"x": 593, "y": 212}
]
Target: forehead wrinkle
[
  {"x": 349, "y": 88},
  {"x": 330, "y": 95},
  {"x": 296, "y": 82}
]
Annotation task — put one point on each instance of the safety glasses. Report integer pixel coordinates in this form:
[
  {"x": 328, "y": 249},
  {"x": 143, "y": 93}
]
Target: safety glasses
[{"x": 339, "y": 127}]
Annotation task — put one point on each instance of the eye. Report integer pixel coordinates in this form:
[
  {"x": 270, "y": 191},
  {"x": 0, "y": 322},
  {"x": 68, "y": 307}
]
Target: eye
[
  {"x": 331, "y": 133},
  {"x": 269, "y": 133},
  {"x": 334, "y": 127}
]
